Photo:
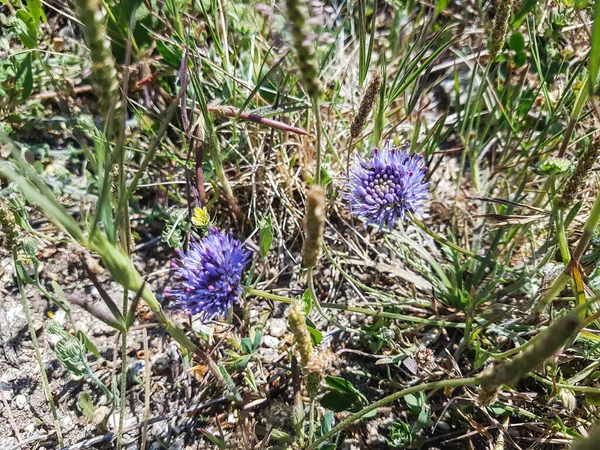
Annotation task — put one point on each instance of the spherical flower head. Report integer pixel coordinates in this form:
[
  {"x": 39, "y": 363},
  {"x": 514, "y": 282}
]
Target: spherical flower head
[
  {"x": 209, "y": 276},
  {"x": 387, "y": 187}
]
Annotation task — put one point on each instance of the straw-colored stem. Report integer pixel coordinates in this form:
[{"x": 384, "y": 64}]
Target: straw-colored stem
[{"x": 317, "y": 113}]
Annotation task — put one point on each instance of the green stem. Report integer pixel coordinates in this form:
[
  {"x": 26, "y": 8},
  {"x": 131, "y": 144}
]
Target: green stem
[
  {"x": 443, "y": 241},
  {"x": 586, "y": 236},
  {"x": 311, "y": 418},
  {"x": 389, "y": 399},
  {"x": 123, "y": 388},
  {"x": 315, "y": 301},
  {"x": 403, "y": 317},
  {"x": 584, "y": 389},
  {"x": 90, "y": 373},
  {"x": 350, "y": 142},
  {"x": 36, "y": 348},
  {"x": 267, "y": 295},
  {"x": 368, "y": 312}
]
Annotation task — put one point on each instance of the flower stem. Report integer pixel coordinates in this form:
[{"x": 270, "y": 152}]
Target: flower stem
[
  {"x": 368, "y": 312},
  {"x": 443, "y": 241},
  {"x": 586, "y": 236},
  {"x": 38, "y": 355},
  {"x": 315, "y": 301},
  {"x": 389, "y": 399}
]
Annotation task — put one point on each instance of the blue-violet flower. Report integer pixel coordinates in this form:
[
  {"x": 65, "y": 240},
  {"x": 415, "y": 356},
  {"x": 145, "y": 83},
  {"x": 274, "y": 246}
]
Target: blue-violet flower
[
  {"x": 387, "y": 187},
  {"x": 209, "y": 276}
]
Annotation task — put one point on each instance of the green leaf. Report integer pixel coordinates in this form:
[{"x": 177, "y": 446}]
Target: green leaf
[
  {"x": 340, "y": 385},
  {"x": 220, "y": 443},
  {"x": 520, "y": 59},
  {"x": 84, "y": 401},
  {"x": 440, "y": 6},
  {"x": 247, "y": 345},
  {"x": 594, "y": 56},
  {"x": 581, "y": 4},
  {"x": 516, "y": 42},
  {"x": 36, "y": 11},
  {"x": 592, "y": 399},
  {"x": 25, "y": 77},
  {"x": 266, "y": 235},
  {"x": 87, "y": 342},
  {"x": 498, "y": 410},
  {"x": 526, "y": 7},
  {"x": 26, "y": 29},
  {"x": 171, "y": 54},
  {"x": 307, "y": 299},
  {"x": 415, "y": 402},
  {"x": 241, "y": 363},
  {"x": 315, "y": 335},
  {"x": 554, "y": 166},
  {"x": 338, "y": 401},
  {"x": 257, "y": 338},
  {"x": 327, "y": 422}
]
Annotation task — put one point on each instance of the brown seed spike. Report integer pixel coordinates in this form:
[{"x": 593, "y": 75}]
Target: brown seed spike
[{"x": 366, "y": 106}]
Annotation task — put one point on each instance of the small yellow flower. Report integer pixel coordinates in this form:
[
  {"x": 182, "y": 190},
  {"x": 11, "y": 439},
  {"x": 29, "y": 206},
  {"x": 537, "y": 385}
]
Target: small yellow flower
[{"x": 201, "y": 218}]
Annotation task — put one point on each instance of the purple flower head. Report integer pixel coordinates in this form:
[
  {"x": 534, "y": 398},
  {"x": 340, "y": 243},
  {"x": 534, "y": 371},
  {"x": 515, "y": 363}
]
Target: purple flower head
[
  {"x": 387, "y": 187},
  {"x": 209, "y": 275}
]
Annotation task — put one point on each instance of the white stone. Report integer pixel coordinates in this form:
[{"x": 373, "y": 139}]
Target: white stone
[
  {"x": 20, "y": 401},
  {"x": 177, "y": 444},
  {"x": 277, "y": 327},
  {"x": 15, "y": 316},
  {"x": 60, "y": 316},
  {"x": 270, "y": 342},
  {"x": 268, "y": 354}
]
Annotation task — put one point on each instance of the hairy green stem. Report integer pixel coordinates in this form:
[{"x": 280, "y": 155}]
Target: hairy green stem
[
  {"x": 584, "y": 389},
  {"x": 38, "y": 355},
  {"x": 586, "y": 236},
  {"x": 317, "y": 304},
  {"x": 389, "y": 399},
  {"x": 368, "y": 312}
]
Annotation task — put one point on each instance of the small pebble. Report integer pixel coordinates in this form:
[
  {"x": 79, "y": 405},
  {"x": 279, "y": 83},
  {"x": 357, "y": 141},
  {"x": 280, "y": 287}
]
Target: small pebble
[
  {"x": 270, "y": 342},
  {"x": 268, "y": 354},
  {"x": 160, "y": 363},
  {"x": 100, "y": 418},
  {"x": 60, "y": 316},
  {"x": 177, "y": 444},
  {"x": 20, "y": 401},
  {"x": 67, "y": 423},
  {"x": 277, "y": 327}
]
